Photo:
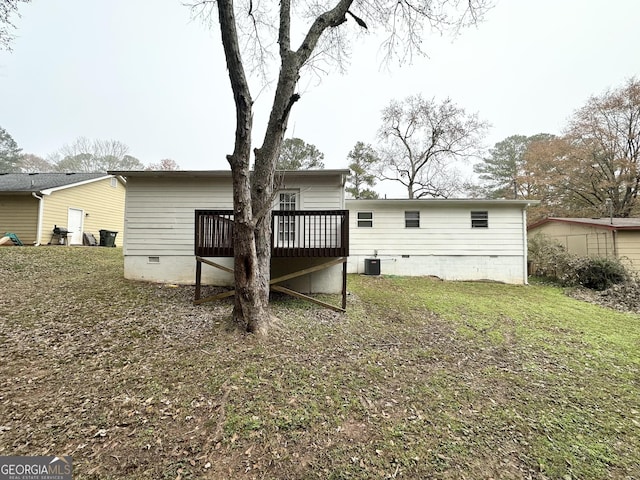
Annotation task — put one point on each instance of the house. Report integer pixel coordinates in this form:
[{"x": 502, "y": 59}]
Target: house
[
  {"x": 33, "y": 204},
  {"x": 177, "y": 222},
  {"x": 453, "y": 239},
  {"x": 595, "y": 237}
]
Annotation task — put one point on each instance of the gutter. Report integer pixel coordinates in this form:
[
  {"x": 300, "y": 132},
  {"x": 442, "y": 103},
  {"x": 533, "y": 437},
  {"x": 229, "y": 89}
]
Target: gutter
[
  {"x": 40, "y": 211},
  {"x": 525, "y": 247}
]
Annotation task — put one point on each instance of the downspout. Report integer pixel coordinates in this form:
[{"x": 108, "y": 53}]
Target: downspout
[
  {"x": 40, "y": 210},
  {"x": 344, "y": 184},
  {"x": 614, "y": 236},
  {"x": 525, "y": 247}
]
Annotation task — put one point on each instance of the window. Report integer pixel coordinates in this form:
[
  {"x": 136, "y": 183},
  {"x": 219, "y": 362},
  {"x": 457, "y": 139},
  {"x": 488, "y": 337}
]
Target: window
[
  {"x": 287, "y": 224},
  {"x": 287, "y": 201},
  {"x": 365, "y": 219},
  {"x": 480, "y": 219},
  {"x": 114, "y": 182},
  {"x": 412, "y": 219}
]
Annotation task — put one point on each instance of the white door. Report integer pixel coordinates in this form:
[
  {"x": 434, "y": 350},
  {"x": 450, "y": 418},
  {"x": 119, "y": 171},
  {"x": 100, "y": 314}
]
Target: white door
[{"x": 74, "y": 225}]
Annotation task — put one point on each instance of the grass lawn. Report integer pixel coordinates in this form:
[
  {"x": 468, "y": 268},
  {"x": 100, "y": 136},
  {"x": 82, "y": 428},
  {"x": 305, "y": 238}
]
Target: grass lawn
[{"x": 420, "y": 379}]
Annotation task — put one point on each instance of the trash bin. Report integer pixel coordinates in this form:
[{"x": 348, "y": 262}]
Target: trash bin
[
  {"x": 372, "y": 266},
  {"x": 108, "y": 238}
]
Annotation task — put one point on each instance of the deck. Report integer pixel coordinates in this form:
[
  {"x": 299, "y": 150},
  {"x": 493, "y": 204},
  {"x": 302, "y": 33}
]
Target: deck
[{"x": 294, "y": 233}]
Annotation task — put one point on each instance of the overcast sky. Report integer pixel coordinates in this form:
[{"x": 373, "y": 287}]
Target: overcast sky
[{"x": 144, "y": 73}]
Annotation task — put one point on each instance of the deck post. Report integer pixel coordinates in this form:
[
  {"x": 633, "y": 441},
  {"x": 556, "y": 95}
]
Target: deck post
[
  {"x": 198, "y": 278},
  {"x": 344, "y": 284}
]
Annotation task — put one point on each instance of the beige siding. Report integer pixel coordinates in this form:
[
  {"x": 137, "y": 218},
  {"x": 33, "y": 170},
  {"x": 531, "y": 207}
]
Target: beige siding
[
  {"x": 102, "y": 204},
  {"x": 19, "y": 215},
  {"x": 444, "y": 230},
  {"x": 584, "y": 240},
  {"x": 160, "y": 211},
  {"x": 629, "y": 247}
]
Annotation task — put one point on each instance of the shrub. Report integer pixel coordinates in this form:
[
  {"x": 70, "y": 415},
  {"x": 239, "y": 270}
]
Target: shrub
[
  {"x": 601, "y": 273},
  {"x": 548, "y": 258}
]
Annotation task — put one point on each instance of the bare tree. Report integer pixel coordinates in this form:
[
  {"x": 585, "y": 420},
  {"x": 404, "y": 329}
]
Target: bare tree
[
  {"x": 85, "y": 155},
  {"x": 164, "y": 164},
  {"x": 248, "y": 30},
  {"x": 420, "y": 141},
  {"x": 605, "y": 134},
  {"x": 595, "y": 166},
  {"x": 8, "y": 9},
  {"x": 30, "y": 163}
]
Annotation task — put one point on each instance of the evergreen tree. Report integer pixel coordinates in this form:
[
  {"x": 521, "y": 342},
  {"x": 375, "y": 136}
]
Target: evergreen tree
[
  {"x": 10, "y": 153},
  {"x": 362, "y": 159},
  {"x": 296, "y": 154}
]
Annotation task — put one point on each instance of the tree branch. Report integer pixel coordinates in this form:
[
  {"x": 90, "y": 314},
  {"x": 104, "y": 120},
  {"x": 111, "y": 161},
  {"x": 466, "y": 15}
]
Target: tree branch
[
  {"x": 284, "y": 33},
  {"x": 239, "y": 84}
]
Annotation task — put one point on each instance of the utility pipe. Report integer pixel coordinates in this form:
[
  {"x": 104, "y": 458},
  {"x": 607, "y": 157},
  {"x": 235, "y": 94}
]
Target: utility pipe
[{"x": 40, "y": 210}]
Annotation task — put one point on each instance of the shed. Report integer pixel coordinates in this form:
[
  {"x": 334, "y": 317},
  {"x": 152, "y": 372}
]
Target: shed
[{"x": 595, "y": 237}]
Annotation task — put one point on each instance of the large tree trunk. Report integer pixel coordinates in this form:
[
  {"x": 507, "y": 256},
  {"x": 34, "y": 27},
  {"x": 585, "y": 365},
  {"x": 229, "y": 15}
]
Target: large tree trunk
[
  {"x": 253, "y": 196},
  {"x": 264, "y": 180},
  {"x": 252, "y": 292},
  {"x": 252, "y": 289}
]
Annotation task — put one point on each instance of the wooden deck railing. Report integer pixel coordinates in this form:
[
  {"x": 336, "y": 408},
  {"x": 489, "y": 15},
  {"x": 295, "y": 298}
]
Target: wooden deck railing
[{"x": 295, "y": 233}]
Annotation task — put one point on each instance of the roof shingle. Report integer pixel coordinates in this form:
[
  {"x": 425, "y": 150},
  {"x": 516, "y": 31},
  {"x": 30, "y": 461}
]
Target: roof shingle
[{"x": 36, "y": 182}]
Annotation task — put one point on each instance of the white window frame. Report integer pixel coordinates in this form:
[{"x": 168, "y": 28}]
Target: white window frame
[
  {"x": 364, "y": 221},
  {"x": 479, "y": 219},
  {"x": 287, "y": 226},
  {"x": 411, "y": 216}
]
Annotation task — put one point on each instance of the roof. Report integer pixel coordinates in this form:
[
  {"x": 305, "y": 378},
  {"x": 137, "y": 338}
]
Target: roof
[
  {"x": 416, "y": 202},
  {"x": 218, "y": 173},
  {"x": 37, "y": 182},
  {"x": 606, "y": 223}
]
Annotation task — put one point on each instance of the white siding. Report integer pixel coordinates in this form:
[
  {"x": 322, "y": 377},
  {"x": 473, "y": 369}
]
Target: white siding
[
  {"x": 159, "y": 222},
  {"x": 443, "y": 231},
  {"x": 159, "y": 213},
  {"x": 317, "y": 193},
  {"x": 445, "y": 244}
]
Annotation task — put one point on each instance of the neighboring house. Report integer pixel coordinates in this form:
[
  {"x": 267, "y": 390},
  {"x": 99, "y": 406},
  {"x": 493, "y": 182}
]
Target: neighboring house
[
  {"x": 33, "y": 204},
  {"x": 459, "y": 239},
  {"x": 594, "y": 237},
  {"x": 164, "y": 207}
]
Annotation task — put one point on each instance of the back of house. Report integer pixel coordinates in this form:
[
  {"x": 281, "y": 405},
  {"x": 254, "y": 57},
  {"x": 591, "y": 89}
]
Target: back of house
[
  {"x": 454, "y": 239},
  {"x": 161, "y": 215}
]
